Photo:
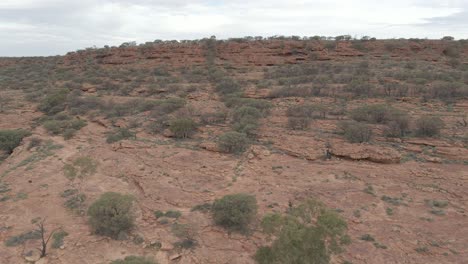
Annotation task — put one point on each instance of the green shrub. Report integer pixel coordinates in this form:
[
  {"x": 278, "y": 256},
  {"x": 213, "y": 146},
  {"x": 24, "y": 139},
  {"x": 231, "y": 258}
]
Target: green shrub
[
  {"x": 246, "y": 111},
  {"x": 119, "y": 134},
  {"x": 309, "y": 233},
  {"x": 111, "y": 214},
  {"x": 233, "y": 142},
  {"x": 429, "y": 126},
  {"x": 356, "y": 132},
  {"x": 54, "y": 103},
  {"x": 80, "y": 167},
  {"x": 182, "y": 127},
  {"x": 134, "y": 260},
  {"x": 377, "y": 114},
  {"x": 10, "y": 139},
  {"x": 75, "y": 202},
  {"x": 235, "y": 212},
  {"x": 173, "y": 214},
  {"x": 62, "y": 124},
  {"x": 58, "y": 238}
]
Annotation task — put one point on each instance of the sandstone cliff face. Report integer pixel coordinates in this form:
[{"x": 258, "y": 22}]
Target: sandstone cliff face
[{"x": 262, "y": 53}]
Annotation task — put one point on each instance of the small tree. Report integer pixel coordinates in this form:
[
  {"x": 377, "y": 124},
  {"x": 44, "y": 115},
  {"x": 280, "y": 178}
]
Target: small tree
[
  {"x": 235, "y": 212},
  {"x": 44, "y": 237},
  {"x": 111, "y": 214}
]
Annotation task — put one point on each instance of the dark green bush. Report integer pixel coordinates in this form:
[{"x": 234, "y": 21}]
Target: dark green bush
[
  {"x": 10, "y": 139},
  {"x": 134, "y": 260},
  {"x": 429, "y": 126},
  {"x": 111, "y": 214},
  {"x": 233, "y": 142},
  {"x": 182, "y": 127},
  {"x": 356, "y": 132},
  {"x": 235, "y": 212}
]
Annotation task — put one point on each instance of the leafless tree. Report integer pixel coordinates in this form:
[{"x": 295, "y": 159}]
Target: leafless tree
[{"x": 44, "y": 238}]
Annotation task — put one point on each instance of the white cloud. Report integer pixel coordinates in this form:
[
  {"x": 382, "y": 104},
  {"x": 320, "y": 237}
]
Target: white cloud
[{"x": 45, "y": 27}]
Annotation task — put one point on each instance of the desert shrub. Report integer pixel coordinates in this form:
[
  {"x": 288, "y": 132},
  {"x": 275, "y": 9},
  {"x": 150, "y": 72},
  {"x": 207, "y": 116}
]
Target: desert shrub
[
  {"x": 261, "y": 105},
  {"x": 167, "y": 106},
  {"x": 447, "y": 91},
  {"x": 233, "y": 142},
  {"x": 119, "y": 134},
  {"x": 10, "y": 139},
  {"x": 235, "y": 212},
  {"x": 247, "y": 125},
  {"x": 182, "y": 127},
  {"x": 79, "y": 105},
  {"x": 398, "y": 126},
  {"x": 429, "y": 126},
  {"x": 300, "y": 116},
  {"x": 58, "y": 238},
  {"x": 62, "y": 124},
  {"x": 80, "y": 167},
  {"x": 359, "y": 87},
  {"x": 173, "y": 214},
  {"x": 295, "y": 91},
  {"x": 75, "y": 202},
  {"x": 54, "y": 103},
  {"x": 213, "y": 118},
  {"x": 228, "y": 86},
  {"x": 355, "y": 132},
  {"x": 20, "y": 239},
  {"x": 246, "y": 111},
  {"x": 452, "y": 51},
  {"x": 309, "y": 233},
  {"x": 378, "y": 113},
  {"x": 134, "y": 260},
  {"x": 111, "y": 214}
]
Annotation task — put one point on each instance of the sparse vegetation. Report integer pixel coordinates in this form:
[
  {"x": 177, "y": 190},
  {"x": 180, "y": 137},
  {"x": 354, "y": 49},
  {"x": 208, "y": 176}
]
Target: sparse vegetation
[
  {"x": 134, "y": 260},
  {"x": 119, "y": 134},
  {"x": 80, "y": 168}
]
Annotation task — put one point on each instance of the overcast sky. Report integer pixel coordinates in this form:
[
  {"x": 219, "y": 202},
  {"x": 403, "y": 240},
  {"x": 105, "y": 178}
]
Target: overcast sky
[{"x": 51, "y": 27}]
